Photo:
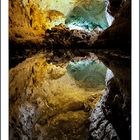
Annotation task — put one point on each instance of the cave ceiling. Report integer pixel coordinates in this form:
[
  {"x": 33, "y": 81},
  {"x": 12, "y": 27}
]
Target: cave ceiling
[{"x": 86, "y": 14}]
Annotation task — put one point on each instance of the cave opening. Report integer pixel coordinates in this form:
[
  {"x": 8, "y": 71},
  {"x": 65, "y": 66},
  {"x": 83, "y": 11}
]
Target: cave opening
[{"x": 68, "y": 72}]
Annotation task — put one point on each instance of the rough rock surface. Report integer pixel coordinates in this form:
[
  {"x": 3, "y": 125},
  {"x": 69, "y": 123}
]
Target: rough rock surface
[
  {"x": 110, "y": 120},
  {"x": 90, "y": 14},
  {"x": 113, "y": 48},
  {"x": 20, "y": 23},
  {"x": 62, "y": 37},
  {"x": 57, "y": 42},
  {"x": 29, "y": 19}
]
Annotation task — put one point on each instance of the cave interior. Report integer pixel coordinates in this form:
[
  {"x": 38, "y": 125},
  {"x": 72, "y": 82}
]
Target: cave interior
[{"x": 70, "y": 69}]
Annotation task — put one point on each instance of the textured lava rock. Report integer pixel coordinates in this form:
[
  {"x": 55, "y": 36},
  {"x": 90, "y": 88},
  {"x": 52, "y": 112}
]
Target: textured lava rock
[
  {"x": 109, "y": 120},
  {"x": 62, "y": 37},
  {"x": 113, "y": 48},
  {"x": 58, "y": 42},
  {"x": 29, "y": 19},
  {"x": 90, "y": 14}
]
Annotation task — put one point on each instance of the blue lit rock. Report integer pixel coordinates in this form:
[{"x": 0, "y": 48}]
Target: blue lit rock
[
  {"x": 88, "y": 73},
  {"x": 90, "y": 15}
]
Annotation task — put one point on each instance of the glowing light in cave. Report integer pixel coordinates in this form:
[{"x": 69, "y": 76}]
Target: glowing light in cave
[
  {"x": 79, "y": 15},
  {"x": 109, "y": 18},
  {"x": 64, "y": 6},
  {"x": 88, "y": 73},
  {"x": 72, "y": 27}
]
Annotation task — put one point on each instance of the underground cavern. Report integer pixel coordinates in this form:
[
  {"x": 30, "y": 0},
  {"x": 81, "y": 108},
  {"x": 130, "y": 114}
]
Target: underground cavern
[{"x": 69, "y": 69}]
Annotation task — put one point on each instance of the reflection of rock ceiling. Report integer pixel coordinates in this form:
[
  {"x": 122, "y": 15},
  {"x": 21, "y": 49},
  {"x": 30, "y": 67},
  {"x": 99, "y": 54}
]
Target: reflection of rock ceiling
[
  {"x": 86, "y": 14},
  {"x": 47, "y": 104}
]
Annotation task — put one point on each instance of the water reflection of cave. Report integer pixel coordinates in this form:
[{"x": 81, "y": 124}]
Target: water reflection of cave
[{"x": 58, "y": 98}]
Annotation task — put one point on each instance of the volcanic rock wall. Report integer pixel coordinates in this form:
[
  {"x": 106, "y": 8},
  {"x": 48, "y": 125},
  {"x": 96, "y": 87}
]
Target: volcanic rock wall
[
  {"x": 27, "y": 18},
  {"x": 18, "y": 20},
  {"x": 113, "y": 48}
]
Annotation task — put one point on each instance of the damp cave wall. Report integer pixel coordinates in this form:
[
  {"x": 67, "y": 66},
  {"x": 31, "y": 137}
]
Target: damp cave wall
[{"x": 113, "y": 48}]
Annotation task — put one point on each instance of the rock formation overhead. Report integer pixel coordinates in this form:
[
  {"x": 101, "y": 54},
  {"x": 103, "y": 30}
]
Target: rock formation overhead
[
  {"x": 39, "y": 15},
  {"x": 90, "y": 14}
]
